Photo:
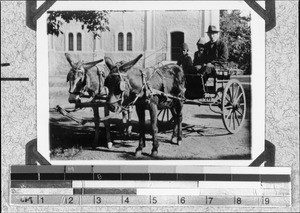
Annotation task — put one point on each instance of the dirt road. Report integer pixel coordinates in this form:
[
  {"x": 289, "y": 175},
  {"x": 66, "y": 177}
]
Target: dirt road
[{"x": 204, "y": 137}]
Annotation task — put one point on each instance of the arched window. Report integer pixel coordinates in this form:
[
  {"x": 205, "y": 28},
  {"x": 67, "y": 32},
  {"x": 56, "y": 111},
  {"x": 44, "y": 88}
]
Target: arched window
[
  {"x": 79, "y": 42},
  {"x": 120, "y": 42},
  {"x": 129, "y": 41},
  {"x": 71, "y": 42}
]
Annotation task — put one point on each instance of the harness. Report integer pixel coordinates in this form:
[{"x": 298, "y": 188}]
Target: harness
[
  {"x": 163, "y": 92},
  {"x": 146, "y": 91},
  {"x": 100, "y": 74}
]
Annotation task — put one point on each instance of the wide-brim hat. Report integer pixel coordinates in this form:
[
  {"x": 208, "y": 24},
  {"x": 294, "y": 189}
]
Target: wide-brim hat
[{"x": 212, "y": 29}]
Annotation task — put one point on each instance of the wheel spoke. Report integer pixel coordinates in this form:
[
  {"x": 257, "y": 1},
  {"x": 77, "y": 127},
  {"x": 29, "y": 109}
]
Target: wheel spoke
[
  {"x": 229, "y": 101},
  {"x": 229, "y": 93},
  {"x": 233, "y": 114},
  {"x": 167, "y": 115},
  {"x": 228, "y": 114},
  {"x": 163, "y": 116},
  {"x": 240, "y": 95},
  {"x": 229, "y": 117},
  {"x": 241, "y": 106},
  {"x": 159, "y": 113},
  {"x": 239, "y": 112},
  {"x": 237, "y": 92},
  {"x": 237, "y": 119},
  {"x": 232, "y": 88}
]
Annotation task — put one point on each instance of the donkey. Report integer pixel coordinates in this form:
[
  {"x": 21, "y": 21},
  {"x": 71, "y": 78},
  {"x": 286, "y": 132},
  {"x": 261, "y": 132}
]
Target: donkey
[
  {"x": 147, "y": 89},
  {"x": 88, "y": 78},
  {"x": 85, "y": 77}
]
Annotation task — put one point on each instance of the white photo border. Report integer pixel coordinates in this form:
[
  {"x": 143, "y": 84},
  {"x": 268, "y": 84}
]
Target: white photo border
[{"x": 257, "y": 77}]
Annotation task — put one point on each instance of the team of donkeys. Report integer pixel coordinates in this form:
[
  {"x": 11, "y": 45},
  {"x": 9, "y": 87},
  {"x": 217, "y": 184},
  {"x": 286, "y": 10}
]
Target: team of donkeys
[{"x": 123, "y": 85}]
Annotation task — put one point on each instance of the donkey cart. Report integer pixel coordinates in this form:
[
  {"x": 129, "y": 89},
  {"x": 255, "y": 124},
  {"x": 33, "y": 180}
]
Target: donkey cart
[{"x": 222, "y": 94}]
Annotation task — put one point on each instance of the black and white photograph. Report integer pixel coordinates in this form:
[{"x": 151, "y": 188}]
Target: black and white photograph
[
  {"x": 150, "y": 84},
  {"x": 149, "y": 106}
]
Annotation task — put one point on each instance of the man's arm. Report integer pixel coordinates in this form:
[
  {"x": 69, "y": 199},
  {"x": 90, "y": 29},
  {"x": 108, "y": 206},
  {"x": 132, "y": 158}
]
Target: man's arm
[
  {"x": 223, "y": 52},
  {"x": 190, "y": 62},
  {"x": 194, "y": 60}
]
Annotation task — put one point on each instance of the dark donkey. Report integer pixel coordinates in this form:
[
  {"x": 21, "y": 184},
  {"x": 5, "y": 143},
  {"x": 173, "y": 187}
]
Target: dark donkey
[
  {"x": 87, "y": 79},
  {"x": 147, "y": 89}
]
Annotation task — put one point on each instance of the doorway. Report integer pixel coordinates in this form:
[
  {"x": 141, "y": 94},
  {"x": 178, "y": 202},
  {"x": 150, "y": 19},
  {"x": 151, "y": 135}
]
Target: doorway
[{"x": 177, "y": 39}]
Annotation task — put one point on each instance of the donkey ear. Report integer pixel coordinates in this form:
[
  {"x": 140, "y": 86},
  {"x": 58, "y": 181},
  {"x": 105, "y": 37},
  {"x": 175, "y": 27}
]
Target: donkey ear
[
  {"x": 89, "y": 65},
  {"x": 69, "y": 59},
  {"x": 130, "y": 64},
  {"x": 68, "y": 76},
  {"x": 109, "y": 63}
]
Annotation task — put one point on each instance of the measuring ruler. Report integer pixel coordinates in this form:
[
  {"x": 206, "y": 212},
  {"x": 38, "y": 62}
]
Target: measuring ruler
[{"x": 150, "y": 185}]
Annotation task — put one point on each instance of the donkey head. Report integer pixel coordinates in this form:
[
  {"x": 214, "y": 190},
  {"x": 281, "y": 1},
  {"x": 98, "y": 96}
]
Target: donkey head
[
  {"x": 117, "y": 82},
  {"x": 77, "y": 77}
]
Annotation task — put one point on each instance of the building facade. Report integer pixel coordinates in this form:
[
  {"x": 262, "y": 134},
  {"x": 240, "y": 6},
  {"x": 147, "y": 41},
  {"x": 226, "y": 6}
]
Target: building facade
[{"x": 158, "y": 35}]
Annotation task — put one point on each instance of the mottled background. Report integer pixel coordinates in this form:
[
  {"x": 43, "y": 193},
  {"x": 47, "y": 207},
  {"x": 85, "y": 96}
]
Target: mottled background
[{"x": 18, "y": 103}]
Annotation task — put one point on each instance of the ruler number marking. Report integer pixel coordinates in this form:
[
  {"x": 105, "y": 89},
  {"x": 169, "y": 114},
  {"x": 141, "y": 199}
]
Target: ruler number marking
[
  {"x": 98, "y": 200},
  {"x": 209, "y": 200},
  {"x": 69, "y": 200},
  {"x": 238, "y": 200},
  {"x": 153, "y": 200},
  {"x": 182, "y": 200},
  {"x": 126, "y": 200},
  {"x": 41, "y": 200},
  {"x": 266, "y": 200}
]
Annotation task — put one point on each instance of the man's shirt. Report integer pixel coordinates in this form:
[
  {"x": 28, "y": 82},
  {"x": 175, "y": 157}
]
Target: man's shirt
[
  {"x": 186, "y": 62},
  {"x": 216, "y": 51}
]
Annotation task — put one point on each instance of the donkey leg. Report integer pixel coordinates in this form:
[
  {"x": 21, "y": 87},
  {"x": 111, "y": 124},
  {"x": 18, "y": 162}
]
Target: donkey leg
[
  {"x": 129, "y": 124},
  {"x": 124, "y": 123},
  {"x": 153, "y": 116},
  {"x": 140, "y": 110},
  {"x": 179, "y": 115},
  {"x": 97, "y": 127},
  {"x": 107, "y": 129},
  {"x": 174, "y": 137}
]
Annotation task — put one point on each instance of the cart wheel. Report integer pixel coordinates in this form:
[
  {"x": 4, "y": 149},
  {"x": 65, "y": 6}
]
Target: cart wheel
[
  {"x": 233, "y": 106},
  {"x": 164, "y": 117}
]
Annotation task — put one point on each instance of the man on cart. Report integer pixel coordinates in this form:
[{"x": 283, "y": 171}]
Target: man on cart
[
  {"x": 185, "y": 61},
  {"x": 199, "y": 55},
  {"x": 216, "y": 53}
]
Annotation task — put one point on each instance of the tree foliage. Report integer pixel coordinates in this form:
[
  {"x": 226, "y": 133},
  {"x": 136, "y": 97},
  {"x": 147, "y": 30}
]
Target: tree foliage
[
  {"x": 93, "y": 21},
  {"x": 236, "y": 32}
]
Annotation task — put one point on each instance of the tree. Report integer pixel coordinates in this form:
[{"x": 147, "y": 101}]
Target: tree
[
  {"x": 94, "y": 21},
  {"x": 236, "y": 32}
]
